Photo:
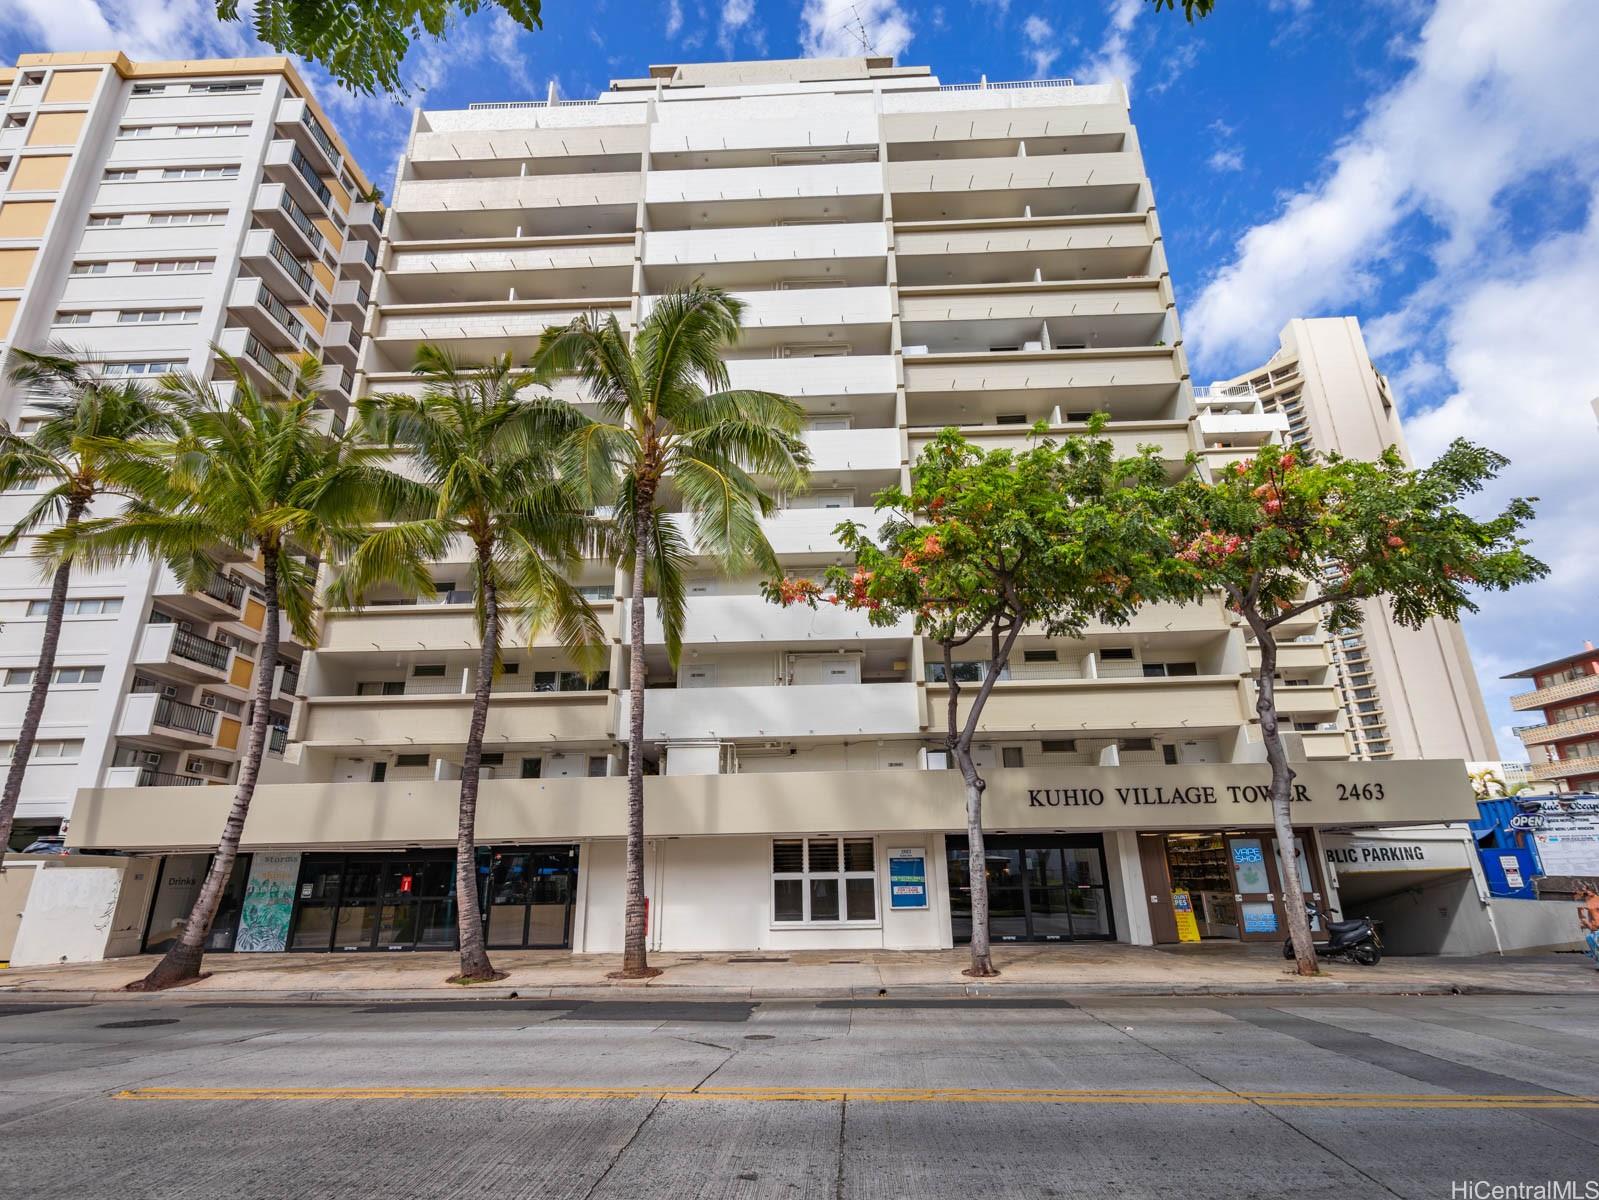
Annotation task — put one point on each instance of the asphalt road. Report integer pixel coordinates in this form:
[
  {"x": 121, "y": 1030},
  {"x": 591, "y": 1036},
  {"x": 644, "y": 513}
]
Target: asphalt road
[{"x": 1182, "y": 1098}]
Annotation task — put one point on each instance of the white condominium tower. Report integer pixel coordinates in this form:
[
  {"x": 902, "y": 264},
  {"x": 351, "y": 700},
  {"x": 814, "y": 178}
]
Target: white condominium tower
[
  {"x": 1405, "y": 693},
  {"x": 914, "y": 254},
  {"x": 149, "y": 211}
]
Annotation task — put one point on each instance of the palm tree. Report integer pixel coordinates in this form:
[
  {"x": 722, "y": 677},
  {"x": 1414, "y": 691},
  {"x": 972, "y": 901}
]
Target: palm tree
[
  {"x": 256, "y": 475},
  {"x": 88, "y": 418},
  {"x": 667, "y": 411},
  {"x": 483, "y": 461}
]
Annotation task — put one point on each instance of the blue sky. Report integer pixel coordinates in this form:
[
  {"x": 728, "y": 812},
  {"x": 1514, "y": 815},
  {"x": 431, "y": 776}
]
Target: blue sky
[{"x": 1429, "y": 167}]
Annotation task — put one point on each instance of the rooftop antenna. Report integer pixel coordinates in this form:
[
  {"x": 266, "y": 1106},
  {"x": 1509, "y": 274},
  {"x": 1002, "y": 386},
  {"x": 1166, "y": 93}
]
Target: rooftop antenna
[{"x": 862, "y": 34}]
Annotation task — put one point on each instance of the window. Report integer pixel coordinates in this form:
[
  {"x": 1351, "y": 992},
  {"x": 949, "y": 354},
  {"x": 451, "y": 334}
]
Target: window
[
  {"x": 599, "y": 766},
  {"x": 1138, "y": 744},
  {"x": 121, "y": 174},
  {"x": 1116, "y": 654},
  {"x": 138, "y": 131},
  {"x": 496, "y": 759},
  {"x": 104, "y": 220},
  {"x": 63, "y": 749},
  {"x": 1057, "y": 746},
  {"x": 156, "y": 316},
  {"x": 89, "y": 268},
  {"x": 231, "y": 88},
  {"x": 1040, "y": 656},
  {"x": 428, "y": 671},
  {"x": 1169, "y": 669},
  {"x": 230, "y": 171},
  {"x": 824, "y": 880},
  {"x": 172, "y": 266},
  {"x": 186, "y": 218},
  {"x": 92, "y": 606},
  {"x": 532, "y": 768},
  {"x": 23, "y": 676},
  {"x": 411, "y": 760},
  {"x": 1011, "y": 419},
  {"x": 149, "y": 89},
  {"x": 160, "y": 366},
  {"x": 1010, "y": 756},
  {"x": 73, "y": 318},
  {"x": 1168, "y": 755},
  {"x": 380, "y": 771},
  {"x": 965, "y": 672}
]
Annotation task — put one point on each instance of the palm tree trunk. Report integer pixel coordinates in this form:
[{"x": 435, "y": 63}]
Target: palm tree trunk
[
  {"x": 635, "y": 932},
  {"x": 181, "y": 964},
  {"x": 475, "y": 964},
  {"x": 1282, "y": 780},
  {"x": 34, "y": 713}
]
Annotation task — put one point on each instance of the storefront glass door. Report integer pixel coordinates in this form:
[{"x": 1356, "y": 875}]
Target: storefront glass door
[
  {"x": 1041, "y": 889},
  {"x": 528, "y": 896}
]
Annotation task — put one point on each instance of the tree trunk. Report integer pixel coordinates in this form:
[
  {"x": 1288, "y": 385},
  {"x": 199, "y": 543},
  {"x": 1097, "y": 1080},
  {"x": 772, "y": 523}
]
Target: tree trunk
[
  {"x": 181, "y": 964},
  {"x": 976, "y": 856},
  {"x": 475, "y": 964},
  {"x": 635, "y": 933},
  {"x": 34, "y": 713},
  {"x": 1282, "y": 782}
]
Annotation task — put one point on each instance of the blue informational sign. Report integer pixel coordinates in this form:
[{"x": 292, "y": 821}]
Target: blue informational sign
[
  {"x": 907, "y": 879},
  {"x": 1259, "y": 918}
]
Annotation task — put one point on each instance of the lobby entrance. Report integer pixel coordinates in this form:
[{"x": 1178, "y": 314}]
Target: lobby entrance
[
  {"x": 1040, "y": 888},
  {"x": 376, "y": 901}
]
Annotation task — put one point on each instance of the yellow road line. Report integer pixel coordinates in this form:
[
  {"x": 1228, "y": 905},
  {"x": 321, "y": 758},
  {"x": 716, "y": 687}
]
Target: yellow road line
[{"x": 881, "y": 1095}]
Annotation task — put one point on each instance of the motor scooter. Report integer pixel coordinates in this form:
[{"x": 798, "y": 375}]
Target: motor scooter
[{"x": 1355, "y": 940}]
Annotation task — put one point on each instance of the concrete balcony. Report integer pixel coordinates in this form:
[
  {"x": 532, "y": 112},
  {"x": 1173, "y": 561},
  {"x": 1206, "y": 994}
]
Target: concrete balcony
[
  {"x": 749, "y": 621},
  {"x": 850, "y": 375},
  {"x": 1306, "y": 702},
  {"x": 477, "y": 331},
  {"x": 1329, "y": 744},
  {"x": 790, "y": 245},
  {"x": 1102, "y": 706},
  {"x": 160, "y": 720},
  {"x": 800, "y": 530},
  {"x": 252, "y": 303},
  {"x": 1049, "y": 185},
  {"x": 358, "y": 259},
  {"x": 496, "y": 268},
  {"x": 730, "y": 128},
  {"x": 1242, "y": 429},
  {"x": 1557, "y": 693},
  {"x": 809, "y": 309},
  {"x": 270, "y": 259},
  {"x": 295, "y": 118},
  {"x": 340, "y": 343},
  {"x": 184, "y": 654},
  {"x": 1565, "y": 768},
  {"x": 350, "y": 300},
  {"x": 1295, "y": 656},
  {"x": 1170, "y": 438},
  {"x": 802, "y": 711},
  {"x": 405, "y": 627},
  {"x": 267, "y": 369},
  {"x": 563, "y": 149},
  {"x": 1032, "y": 303},
  {"x": 357, "y": 723},
  {"x": 1138, "y": 383},
  {"x": 1010, "y": 250},
  {"x": 1537, "y": 735},
  {"x": 288, "y": 164},
  {"x": 528, "y": 192},
  {"x": 222, "y": 598},
  {"x": 276, "y": 209},
  {"x": 835, "y": 451},
  {"x": 809, "y": 180}
]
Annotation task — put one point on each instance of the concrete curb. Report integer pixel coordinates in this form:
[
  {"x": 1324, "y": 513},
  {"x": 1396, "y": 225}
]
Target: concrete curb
[{"x": 657, "y": 992}]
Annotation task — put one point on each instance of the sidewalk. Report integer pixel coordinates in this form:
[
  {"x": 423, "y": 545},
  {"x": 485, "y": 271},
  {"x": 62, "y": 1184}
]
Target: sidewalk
[{"x": 1212, "y": 969}]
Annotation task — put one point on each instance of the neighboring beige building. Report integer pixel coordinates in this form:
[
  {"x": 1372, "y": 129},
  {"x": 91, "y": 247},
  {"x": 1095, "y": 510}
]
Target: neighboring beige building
[
  {"x": 1563, "y": 748},
  {"x": 149, "y": 210},
  {"x": 1406, "y": 693},
  {"x": 914, "y": 255}
]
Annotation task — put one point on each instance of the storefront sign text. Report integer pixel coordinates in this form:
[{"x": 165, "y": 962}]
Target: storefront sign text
[{"x": 1232, "y": 793}]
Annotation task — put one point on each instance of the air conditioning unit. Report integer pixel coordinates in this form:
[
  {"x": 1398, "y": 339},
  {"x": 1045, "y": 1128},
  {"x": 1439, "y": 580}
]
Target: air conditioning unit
[
  {"x": 208, "y": 700},
  {"x": 169, "y": 690},
  {"x": 194, "y": 767},
  {"x": 152, "y": 758}
]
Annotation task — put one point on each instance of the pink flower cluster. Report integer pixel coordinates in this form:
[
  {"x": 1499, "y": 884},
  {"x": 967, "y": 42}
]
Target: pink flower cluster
[{"x": 1211, "y": 548}]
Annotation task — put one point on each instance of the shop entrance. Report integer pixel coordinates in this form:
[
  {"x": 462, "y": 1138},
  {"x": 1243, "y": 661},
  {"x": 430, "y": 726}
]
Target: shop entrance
[
  {"x": 407, "y": 901},
  {"x": 1040, "y": 889},
  {"x": 1230, "y": 882},
  {"x": 177, "y": 888}
]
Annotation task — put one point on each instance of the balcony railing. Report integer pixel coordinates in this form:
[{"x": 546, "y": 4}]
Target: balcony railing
[
  {"x": 319, "y": 135},
  {"x": 301, "y": 219},
  {"x": 308, "y": 172},
  {"x": 1567, "y": 689},
  {"x": 290, "y": 684},
  {"x": 221, "y": 588},
  {"x": 277, "y": 738},
  {"x": 281, "y": 314},
  {"x": 985, "y": 86},
  {"x": 150, "y": 777},
  {"x": 198, "y": 649},
  {"x": 267, "y": 361},
  {"x": 296, "y": 269},
  {"x": 191, "y": 718}
]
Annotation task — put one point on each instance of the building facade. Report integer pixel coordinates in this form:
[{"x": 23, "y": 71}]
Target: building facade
[
  {"x": 913, "y": 255},
  {"x": 148, "y": 212},
  {"x": 1404, "y": 693},
  {"x": 1563, "y": 749}
]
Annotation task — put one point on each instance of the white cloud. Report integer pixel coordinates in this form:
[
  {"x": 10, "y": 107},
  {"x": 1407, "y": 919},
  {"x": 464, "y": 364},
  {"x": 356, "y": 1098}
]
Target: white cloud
[
  {"x": 1114, "y": 60},
  {"x": 142, "y": 29},
  {"x": 1225, "y": 160},
  {"x": 736, "y": 15},
  {"x": 1042, "y": 48},
  {"x": 674, "y": 18},
  {"x": 1495, "y": 93},
  {"x": 1455, "y": 166},
  {"x": 834, "y": 28}
]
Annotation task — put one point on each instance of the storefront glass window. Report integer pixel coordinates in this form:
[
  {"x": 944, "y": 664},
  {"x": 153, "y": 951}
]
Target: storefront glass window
[{"x": 824, "y": 880}]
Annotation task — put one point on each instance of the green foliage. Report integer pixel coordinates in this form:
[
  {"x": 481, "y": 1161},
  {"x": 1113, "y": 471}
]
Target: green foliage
[
  {"x": 481, "y": 448},
  {"x": 1053, "y": 537},
  {"x": 1286, "y": 523},
  {"x": 362, "y": 43},
  {"x": 667, "y": 413},
  {"x": 1191, "y": 8},
  {"x": 90, "y": 420},
  {"x": 245, "y": 474}
]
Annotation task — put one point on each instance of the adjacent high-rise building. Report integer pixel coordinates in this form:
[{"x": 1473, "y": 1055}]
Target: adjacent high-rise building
[
  {"x": 148, "y": 213},
  {"x": 1563, "y": 749},
  {"x": 913, "y": 255},
  {"x": 1405, "y": 693}
]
